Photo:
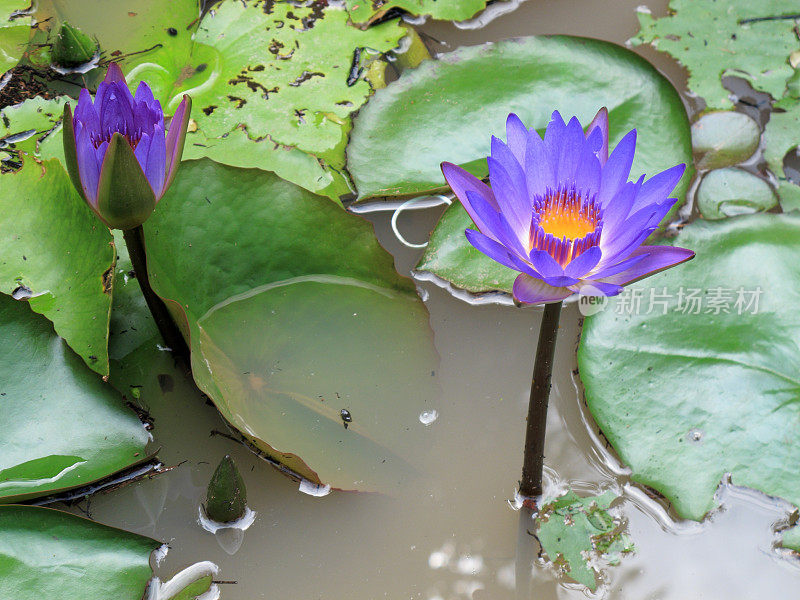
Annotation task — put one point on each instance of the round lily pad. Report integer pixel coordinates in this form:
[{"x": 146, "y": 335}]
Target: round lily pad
[
  {"x": 693, "y": 373},
  {"x": 724, "y": 138},
  {"x": 730, "y": 192}
]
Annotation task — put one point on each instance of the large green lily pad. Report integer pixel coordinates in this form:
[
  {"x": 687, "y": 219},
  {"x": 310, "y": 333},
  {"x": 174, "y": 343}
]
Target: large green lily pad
[
  {"x": 444, "y": 110},
  {"x": 62, "y": 426},
  {"x": 54, "y": 249},
  {"x": 714, "y": 39},
  {"x": 702, "y": 379},
  {"x": 229, "y": 253},
  {"x": 47, "y": 553}
]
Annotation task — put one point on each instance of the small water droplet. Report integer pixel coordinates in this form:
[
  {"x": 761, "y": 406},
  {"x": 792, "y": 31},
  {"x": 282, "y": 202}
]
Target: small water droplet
[
  {"x": 426, "y": 417},
  {"x": 695, "y": 436}
]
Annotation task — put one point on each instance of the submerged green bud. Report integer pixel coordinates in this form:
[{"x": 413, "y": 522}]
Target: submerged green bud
[
  {"x": 226, "y": 499},
  {"x": 73, "y": 47}
]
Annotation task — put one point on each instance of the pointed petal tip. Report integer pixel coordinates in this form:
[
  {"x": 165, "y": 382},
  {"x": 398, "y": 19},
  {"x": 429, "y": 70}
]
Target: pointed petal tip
[{"x": 114, "y": 73}]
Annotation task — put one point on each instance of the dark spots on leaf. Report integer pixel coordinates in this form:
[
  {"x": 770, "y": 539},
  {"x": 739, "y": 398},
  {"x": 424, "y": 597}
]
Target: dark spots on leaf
[
  {"x": 251, "y": 83},
  {"x": 347, "y": 418},
  {"x": 275, "y": 47},
  {"x": 108, "y": 280},
  {"x": 92, "y": 358},
  {"x": 355, "y": 68},
  {"x": 240, "y": 102},
  {"x": 344, "y": 103},
  {"x": 300, "y": 114},
  {"x": 256, "y": 69},
  {"x": 201, "y": 67},
  {"x": 172, "y": 31},
  {"x": 268, "y": 6},
  {"x": 209, "y": 109},
  {"x": 305, "y": 77}
]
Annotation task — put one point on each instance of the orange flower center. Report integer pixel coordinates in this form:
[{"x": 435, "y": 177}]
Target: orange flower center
[{"x": 566, "y": 221}]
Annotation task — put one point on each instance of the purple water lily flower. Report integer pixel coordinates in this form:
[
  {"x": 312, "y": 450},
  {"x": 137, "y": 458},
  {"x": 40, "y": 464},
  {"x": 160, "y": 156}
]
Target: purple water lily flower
[
  {"x": 117, "y": 153},
  {"x": 562, "y": 212}
]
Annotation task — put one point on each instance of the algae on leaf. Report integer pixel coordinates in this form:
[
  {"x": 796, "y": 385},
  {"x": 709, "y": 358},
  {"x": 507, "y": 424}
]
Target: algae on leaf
[
  {"x": 366, "y": 11},
  {"x": 740, "y": 38},
  {"x": 573, "y": 530}
]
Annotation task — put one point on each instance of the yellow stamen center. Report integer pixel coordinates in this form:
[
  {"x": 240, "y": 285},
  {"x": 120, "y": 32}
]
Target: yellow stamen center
[{"x": 566, "y": 222}]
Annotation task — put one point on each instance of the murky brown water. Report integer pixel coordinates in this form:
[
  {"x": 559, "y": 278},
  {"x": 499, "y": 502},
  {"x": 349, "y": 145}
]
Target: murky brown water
[{"x": 452, "y": 535}]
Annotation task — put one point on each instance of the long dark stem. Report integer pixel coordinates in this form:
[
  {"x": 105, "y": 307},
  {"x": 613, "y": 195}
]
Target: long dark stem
[
  {"x": 530, "y": 485},
  {"x": 134, "y": 240}
]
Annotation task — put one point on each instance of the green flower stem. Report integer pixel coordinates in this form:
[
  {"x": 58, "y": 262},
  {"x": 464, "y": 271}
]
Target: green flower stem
[
  {"x": 530, "y": 485},
  {"x": 134, "y": 240}
]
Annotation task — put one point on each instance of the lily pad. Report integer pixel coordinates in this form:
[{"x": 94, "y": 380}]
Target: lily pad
[
  {"x": 723, "y": 139},
  {"x": 731, "y": 192},
  {"x": 286, "y": 395},
  {"x": 782, "y": 135},
  {"x": 692, "y": 373},
  {"x": 62, "y": 426},
  {"x": 444, "y": 110},
  {"x": 193, "y": 590},
  {"x": 55, "y": 252},
  {"x": 366, "y": 11},
  {"x": 15, "y": 32},
  {"x": 790, "y": 538},
  {"x": 47, "y": 553},
  {"x": 574, "y": 530},
  {"x": 714, "y": 39}
]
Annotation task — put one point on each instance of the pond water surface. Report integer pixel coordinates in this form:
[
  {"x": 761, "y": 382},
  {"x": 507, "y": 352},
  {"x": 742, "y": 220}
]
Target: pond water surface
[{"x": 452, "y": 534}]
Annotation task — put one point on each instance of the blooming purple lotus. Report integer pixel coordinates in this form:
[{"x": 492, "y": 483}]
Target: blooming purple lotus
[
  {"x": 562, "y": 212},
  {"x": 116, "y": 151}
]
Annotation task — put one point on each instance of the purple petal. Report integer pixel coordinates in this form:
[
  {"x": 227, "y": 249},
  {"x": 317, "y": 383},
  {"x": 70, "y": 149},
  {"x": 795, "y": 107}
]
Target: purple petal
[
  {"x": 618, "y": 168},
  {"x": 655, "y": 259},
  {"x": 497, "y": 227},
  {"x": 539, "y": 172},
  {"x": 659, "y": 212},
  {"x": 496, "y": 251},
  {"x": 176, "y": 137},
  {"x": 156, "y": 167},
  {"x": 619, "y": 208},
  {"x": 584, "y": 262},
  {"x": 545, "y": 264},
  {"x": 88, "y": 165},
  {"x": 588, "y": 172},
  {"x": 530, "y": 290},
  {"x": 554, "y": 138},
  {"x": 617, "y": 267},
  {"x": 114, "y": 73},
  {"x": 460, "y": 182},
  {"x": 511, "y": 198},
  {"x": 571, "y": 146},
  {"x": 517, "y": 136},
  {"x": 142, "y": 151},
  {"x": 658, "y": 188},
  {"x": 600, "y": 122}
]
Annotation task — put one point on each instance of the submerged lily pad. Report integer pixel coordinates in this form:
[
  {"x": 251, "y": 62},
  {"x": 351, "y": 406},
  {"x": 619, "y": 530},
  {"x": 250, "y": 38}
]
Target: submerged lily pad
[
  {"x": 731, "y": 192},
  {"x": 314, "y": 266},
  {"x": 692, "y": 373},
  {"x": 574, "y": 530},
  {"x": 724, "y": 138},
  {"x": 365, "y": 11},
  {"x": 444, "y": 110},
  {"x": 47, "y": 553},
  {"x": 781, "y": 136},
  {"x": 55, "y": 252},
  {"x": 714, "y": 39},
  {"x": 62, "y": 426}
]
